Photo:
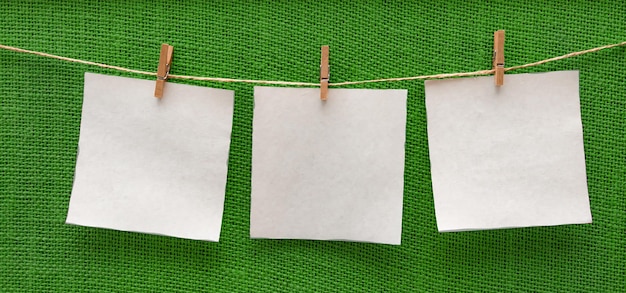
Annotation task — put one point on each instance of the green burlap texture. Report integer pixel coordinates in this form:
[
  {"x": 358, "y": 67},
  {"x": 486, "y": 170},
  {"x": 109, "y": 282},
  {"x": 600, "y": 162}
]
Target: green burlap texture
[{"x": 41, "y": 108}]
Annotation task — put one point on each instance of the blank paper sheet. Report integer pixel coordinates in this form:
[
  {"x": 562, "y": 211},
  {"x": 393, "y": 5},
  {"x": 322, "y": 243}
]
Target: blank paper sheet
[
  {"x": 328, "y": 170},
  {"x": 152, "y": 165},
  {"x": 508, "y": 156}
]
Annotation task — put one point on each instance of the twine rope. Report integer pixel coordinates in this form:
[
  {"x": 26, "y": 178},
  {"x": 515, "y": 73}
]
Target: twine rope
[{"x": 295, "y": 83}]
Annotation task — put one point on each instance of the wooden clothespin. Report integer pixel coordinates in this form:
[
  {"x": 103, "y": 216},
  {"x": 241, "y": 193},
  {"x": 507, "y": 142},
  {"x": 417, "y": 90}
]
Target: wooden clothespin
[
  {"x": 165, "y": 62},
  {"x": 324, "y": 73},
  {"x": 498, "y": 56}
]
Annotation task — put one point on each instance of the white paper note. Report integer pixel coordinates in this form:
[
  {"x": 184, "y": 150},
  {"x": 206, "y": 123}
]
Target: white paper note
[
  {"x": 509, "y": 156},
  {"x": 149, "y": 165},
  {"x": 328, "y": 170}
]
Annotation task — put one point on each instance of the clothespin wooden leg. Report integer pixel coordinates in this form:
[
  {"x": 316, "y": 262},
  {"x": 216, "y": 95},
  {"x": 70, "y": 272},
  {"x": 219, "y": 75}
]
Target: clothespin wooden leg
[
  {"x": 165, "y": 62},
  {"x": 498, "y": 56},
  {"x": 324, "y": 73}
]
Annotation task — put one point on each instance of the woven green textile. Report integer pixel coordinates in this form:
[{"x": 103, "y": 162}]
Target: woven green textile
[{"x": 40, "y": 113}]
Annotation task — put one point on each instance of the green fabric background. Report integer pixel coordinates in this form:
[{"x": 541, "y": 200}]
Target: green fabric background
[{"x": 41, "y": 107}]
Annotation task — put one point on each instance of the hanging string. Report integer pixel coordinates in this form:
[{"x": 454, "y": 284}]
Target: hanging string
[{"x": 294, "y": 83}]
